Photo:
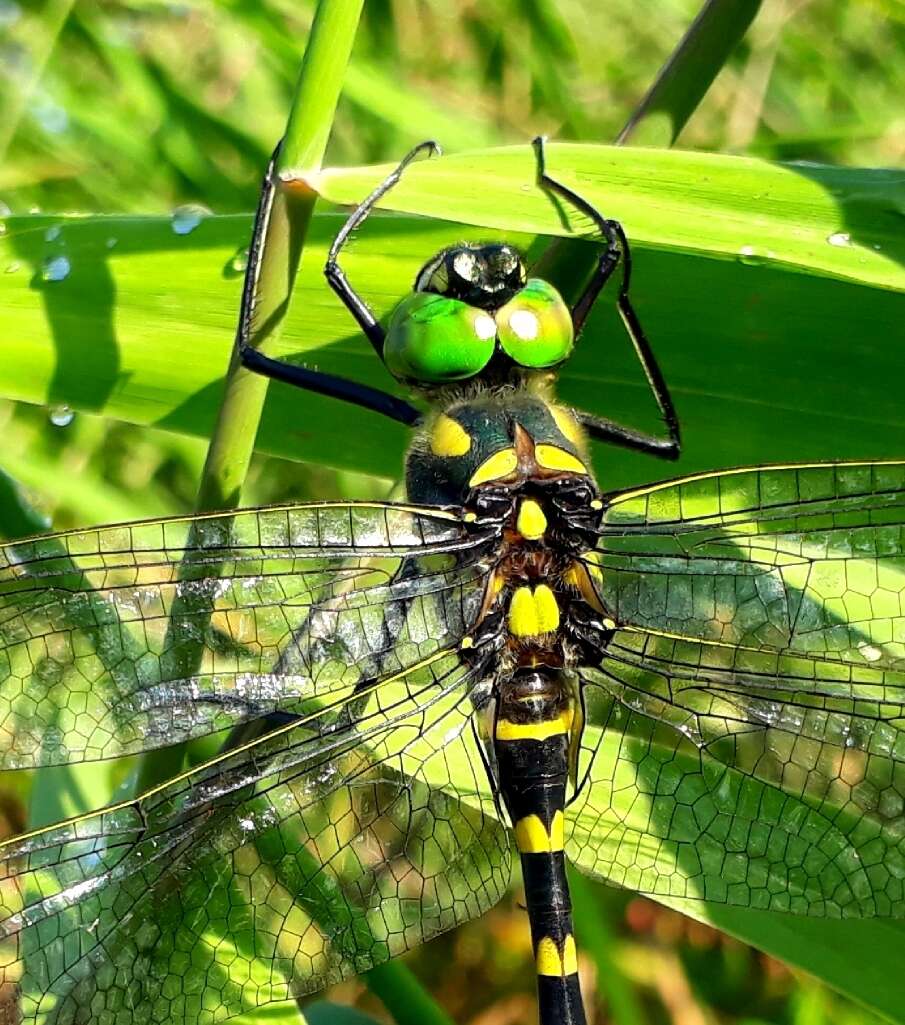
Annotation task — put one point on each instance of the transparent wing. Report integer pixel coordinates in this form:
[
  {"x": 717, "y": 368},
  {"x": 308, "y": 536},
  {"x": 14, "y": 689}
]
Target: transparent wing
[
  {"x": 746, "y": 741},
  {"x": 312, "y": 853},
  {"x": 802, "y": 558},
  {"x": 122, "y": 639}
]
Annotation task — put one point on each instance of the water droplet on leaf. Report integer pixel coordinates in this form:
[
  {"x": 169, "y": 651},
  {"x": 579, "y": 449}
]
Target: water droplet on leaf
[
  {"x": 60, "y": 416},
  {"x": 839, "y": 238},
  {"x": 56, "y": 269},
  {"x": 749, "y": 255},
  {"x": 52, "y": 233},
  {"x": 237, "y": 263},
  {"x": 187, "y": 218}
]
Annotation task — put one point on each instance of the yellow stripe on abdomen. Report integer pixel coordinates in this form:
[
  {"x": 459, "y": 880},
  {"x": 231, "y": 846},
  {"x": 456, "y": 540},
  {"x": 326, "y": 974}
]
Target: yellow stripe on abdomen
[
  {"x": 531, "y": 836},
  {"x": 551, "y": 960},
  {"x": 507, "y": 730}
]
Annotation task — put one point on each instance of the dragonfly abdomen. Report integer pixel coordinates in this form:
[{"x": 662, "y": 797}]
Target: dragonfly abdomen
[{"x": 532, "y": 740}]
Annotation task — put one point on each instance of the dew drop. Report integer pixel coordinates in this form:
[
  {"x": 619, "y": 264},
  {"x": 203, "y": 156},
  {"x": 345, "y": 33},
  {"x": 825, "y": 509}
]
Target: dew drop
[
  {"x": 56, "y": 269},
  {"x": 237, "y": 264},
  {"x": 111, "y": 242},
  {"x": 12, "y": 267},
  {"x": 52, "y": 233},
  {"x": 839, "y": 238},
  {"x": 187, "y": 218},
  {"x": 748, "y": 255},
  {"x": 4, "y": 210},
  {"x": 60, "y": 416}
]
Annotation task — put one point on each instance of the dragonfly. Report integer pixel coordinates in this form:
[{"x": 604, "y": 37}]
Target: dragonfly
[{"x": 692, "y": 689}]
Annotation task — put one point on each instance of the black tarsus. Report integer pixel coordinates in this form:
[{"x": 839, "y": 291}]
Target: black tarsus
[
  {"x": 302, "y": 377},
  {"x": 617, "y": 248}
]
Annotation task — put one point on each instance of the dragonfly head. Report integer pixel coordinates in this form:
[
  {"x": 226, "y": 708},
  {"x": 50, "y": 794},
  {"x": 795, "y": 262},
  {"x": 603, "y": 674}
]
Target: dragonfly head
[
  {"x": 485, "y": 276},
  {"x": 475, "y": 313}
]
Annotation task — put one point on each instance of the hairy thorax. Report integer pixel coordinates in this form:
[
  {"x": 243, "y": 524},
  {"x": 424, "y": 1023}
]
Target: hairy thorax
[{"x": 518, "y": 457}]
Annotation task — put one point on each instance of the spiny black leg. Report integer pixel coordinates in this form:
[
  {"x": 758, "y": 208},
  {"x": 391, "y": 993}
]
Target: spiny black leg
[
  {"x": 301, "y": 377},
  {"x": 617, "y": 248},
  {"x": 607, "y": 261},
  {"x": 333, "y": 387},
  {"x": 334, "y": 273}
]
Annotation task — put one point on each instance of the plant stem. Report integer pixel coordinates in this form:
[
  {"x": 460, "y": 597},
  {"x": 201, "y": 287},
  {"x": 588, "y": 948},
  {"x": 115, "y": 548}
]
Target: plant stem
[
  {"x": 265, "y": 302},
  {"x": 403, "y": 996},
  {"x": 308, "y": 129}
]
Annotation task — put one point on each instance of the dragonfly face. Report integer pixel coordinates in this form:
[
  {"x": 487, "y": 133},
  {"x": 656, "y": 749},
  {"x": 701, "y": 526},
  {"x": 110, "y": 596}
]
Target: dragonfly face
[
  {"x": 694, "y": 688},
  {"x": 474, "y": 316}
]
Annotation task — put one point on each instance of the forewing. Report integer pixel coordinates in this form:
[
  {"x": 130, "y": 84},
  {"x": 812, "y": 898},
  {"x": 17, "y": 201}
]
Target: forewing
[
  {"x": 802, "y": 558},
  {"x": 311, "y": 854},
  {"x": 122, "y": 639},
  {"x": 761, "y": 766}
]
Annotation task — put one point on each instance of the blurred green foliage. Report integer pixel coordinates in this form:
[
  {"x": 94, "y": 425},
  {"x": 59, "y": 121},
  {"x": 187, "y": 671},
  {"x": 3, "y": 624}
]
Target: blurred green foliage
[{"x": 140, "y": 107}]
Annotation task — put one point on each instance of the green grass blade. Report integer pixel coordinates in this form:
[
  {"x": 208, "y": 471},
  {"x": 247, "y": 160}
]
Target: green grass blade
[
  {"x": 689, "y": 72},
  {"x": 404, "y": 997},
  {"x": 859, "y": 957}
]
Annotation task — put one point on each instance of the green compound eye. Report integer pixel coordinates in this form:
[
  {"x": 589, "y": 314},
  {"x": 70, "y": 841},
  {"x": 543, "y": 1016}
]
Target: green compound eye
[
  {"x": 432, "y": 339},
  {"x": 535, "y": 326}
]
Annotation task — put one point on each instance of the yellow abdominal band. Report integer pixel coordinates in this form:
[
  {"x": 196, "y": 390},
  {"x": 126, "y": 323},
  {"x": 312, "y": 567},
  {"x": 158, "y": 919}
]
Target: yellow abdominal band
[
  {"x": 553, "y": 961},
  {"x": 531, "y": 836},
  {"x": 506, "y": 730}
]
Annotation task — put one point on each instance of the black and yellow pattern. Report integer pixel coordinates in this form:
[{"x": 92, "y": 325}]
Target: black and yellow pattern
[
  {"x": 532, "y": 742},
  {"x": 474, "y": 443}
]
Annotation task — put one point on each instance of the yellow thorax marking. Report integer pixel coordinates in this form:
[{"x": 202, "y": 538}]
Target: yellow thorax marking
[
  {"x": 449, "y": 438},
  {"x": 530, "y": 522},
  {"x": 532, "y": 613},
  {"x": 579, "y": 577},
  {"x": 552, "y": 458},
  {"x": 531, "y": 836},
  {"x": 568, "y": 425},
  {"x": 553, "y": 961},
  {"x": 506, "y": 730},
  {"x": 499, "y": 465}
]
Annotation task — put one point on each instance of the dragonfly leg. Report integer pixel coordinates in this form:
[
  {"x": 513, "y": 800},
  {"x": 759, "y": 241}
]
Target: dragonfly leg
[
  {"x": 334, "y": 273},
  {"x": 617, "y": 251},
  {"x": 290, "y": 373}
]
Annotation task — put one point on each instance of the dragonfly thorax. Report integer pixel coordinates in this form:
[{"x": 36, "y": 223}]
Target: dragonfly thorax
[{"x": 494, "y": 444}]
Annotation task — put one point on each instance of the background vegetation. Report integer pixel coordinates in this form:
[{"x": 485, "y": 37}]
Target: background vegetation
[{"x": 145, "y": 107}]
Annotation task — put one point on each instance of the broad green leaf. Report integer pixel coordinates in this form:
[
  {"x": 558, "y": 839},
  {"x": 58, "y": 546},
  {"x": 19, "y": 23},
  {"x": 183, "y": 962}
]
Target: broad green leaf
[
  {"x": 843, "y": 222},
  {"x": 765, "y": 364}
]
